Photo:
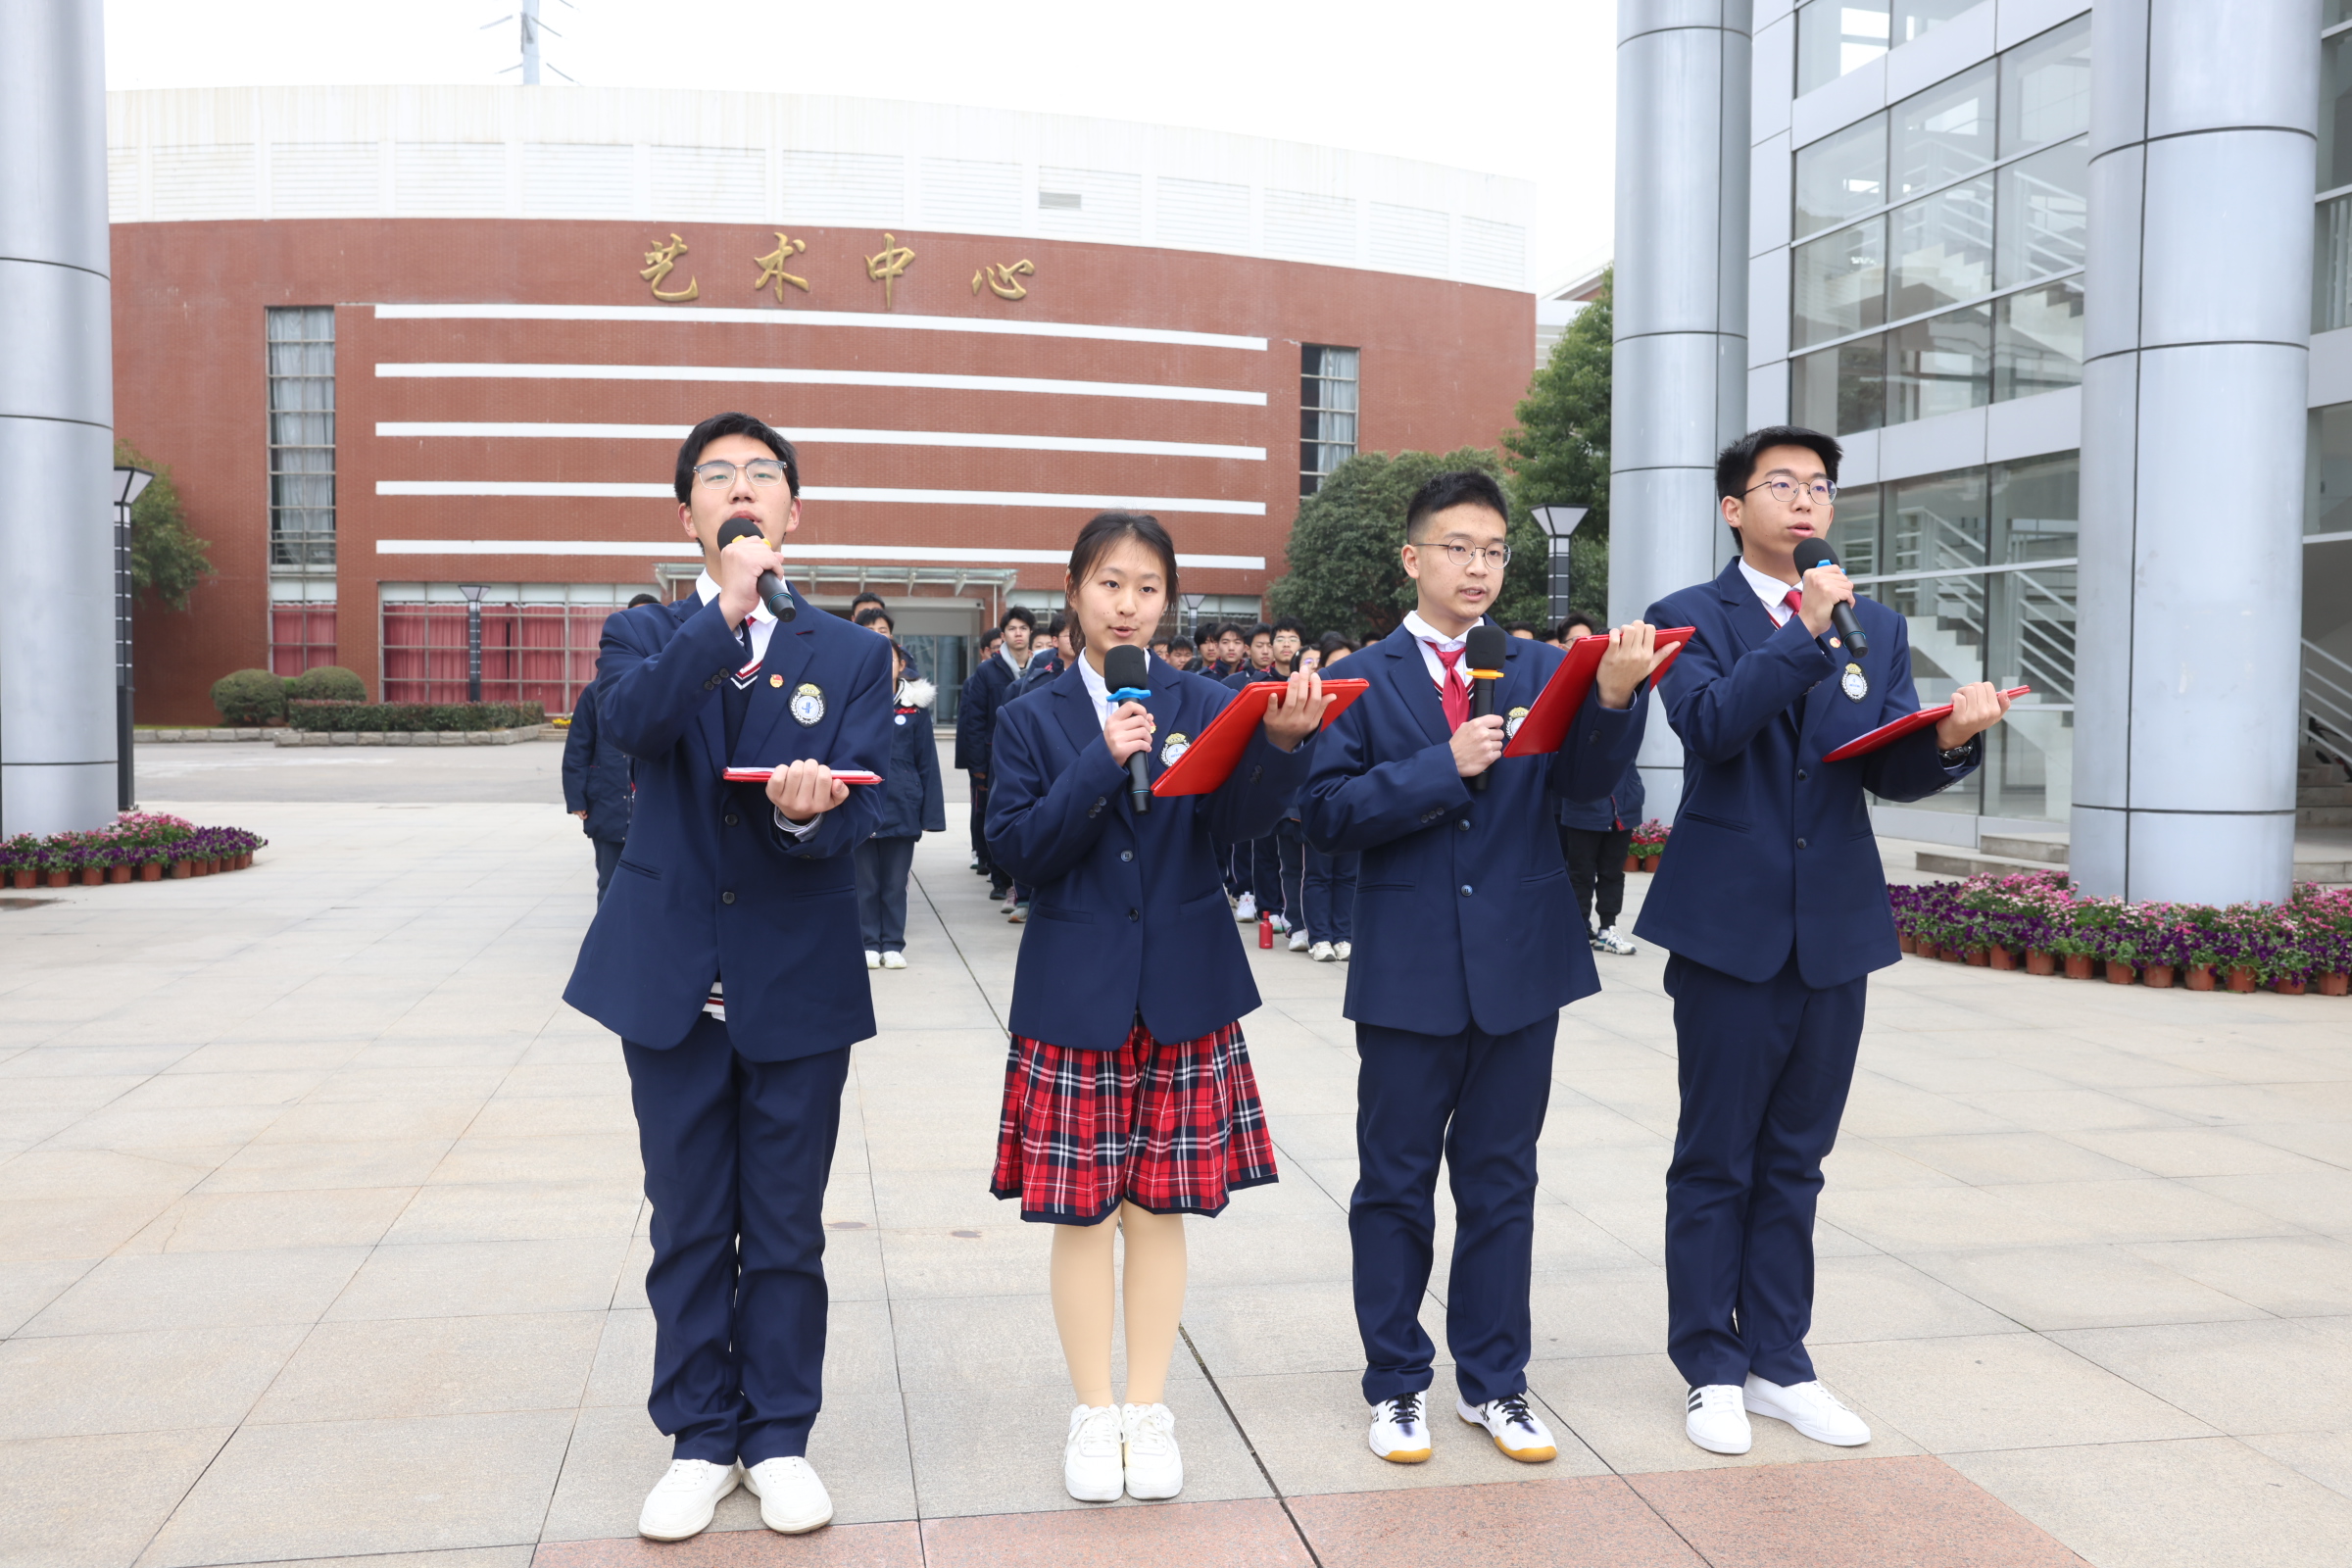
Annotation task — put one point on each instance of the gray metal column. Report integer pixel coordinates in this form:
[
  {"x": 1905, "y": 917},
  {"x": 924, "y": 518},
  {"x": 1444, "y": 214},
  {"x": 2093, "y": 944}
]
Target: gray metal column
[
  {"x": 1679, "y": 388},
  {"x": 57, "y": 632},
  {"x": 2197, "y": 299}
]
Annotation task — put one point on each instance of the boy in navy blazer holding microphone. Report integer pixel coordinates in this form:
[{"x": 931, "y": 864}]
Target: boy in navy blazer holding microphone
[
  {"x": 1467, "y": 945},
  {"x": 1773, "y": 905},
  {"x": 725, "y": 957}
]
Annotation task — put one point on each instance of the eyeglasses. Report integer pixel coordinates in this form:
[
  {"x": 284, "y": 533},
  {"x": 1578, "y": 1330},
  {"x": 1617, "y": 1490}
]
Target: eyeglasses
[
  {"x": 1822, "y": 492},
  {"x": 765, "y": 473},
  {"x": 1463, "y": 555}
]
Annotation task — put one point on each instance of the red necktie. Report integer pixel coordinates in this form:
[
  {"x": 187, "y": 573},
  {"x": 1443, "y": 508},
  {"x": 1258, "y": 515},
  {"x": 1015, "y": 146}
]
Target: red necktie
[
  {"x": 1453, "y": 693},
  {"x": 1793, "y": 599}
]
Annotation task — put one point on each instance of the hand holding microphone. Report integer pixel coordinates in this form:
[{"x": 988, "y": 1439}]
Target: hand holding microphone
[
  {"x": 1483, "y": 652},
  {"x": 1127, "y": 672},
  {"x": 757, "y": 556},
  {"x": 1828, "y": 597}
]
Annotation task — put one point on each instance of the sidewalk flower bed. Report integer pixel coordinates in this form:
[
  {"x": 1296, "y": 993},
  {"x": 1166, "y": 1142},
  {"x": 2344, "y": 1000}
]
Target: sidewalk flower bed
[
  {"x": 1647, "y": 843},
  {"x": 141, "y": 846},
  {"x": 2035, "y": 921}
]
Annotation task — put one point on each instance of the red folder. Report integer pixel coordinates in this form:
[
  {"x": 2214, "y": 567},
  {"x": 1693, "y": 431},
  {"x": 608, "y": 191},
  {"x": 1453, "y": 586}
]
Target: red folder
[
  {"x": 1863, "y": 745},
  {"x": 1210, "y": 760},
  {"x": 1556, "y": 705},
  {"x": 760, "y": 775}
]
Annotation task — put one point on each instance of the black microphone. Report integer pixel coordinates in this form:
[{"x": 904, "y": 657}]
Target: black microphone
[
  {"x": 1127, "y": 671},
  {"x": 1482, "y": 652},
  {"x": 772, "y": 592},
  {"x": 1811, "y": 553}
]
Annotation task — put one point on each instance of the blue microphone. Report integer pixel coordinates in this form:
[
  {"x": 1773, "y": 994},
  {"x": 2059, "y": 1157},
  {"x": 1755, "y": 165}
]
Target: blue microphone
[{"x": 1127, "y": 671}]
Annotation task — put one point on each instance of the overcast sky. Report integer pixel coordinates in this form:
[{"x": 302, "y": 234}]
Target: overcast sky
[{"x": 1519, "y": 87}]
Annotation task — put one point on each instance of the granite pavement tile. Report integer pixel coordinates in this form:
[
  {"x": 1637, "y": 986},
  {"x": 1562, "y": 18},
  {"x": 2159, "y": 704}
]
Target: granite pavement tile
[
  {"x": 838, "y": 1546},
  {"x": 238, "y": 1222},
  {"x": 128, "y": 1292},
  {"x": 2089, "y": 1284},
  {"x": 388, "y": 1368},
  {"x": 2293, "y": 1276},
  {"x": 1571, "y": 1521},
  {"x": 437, "y": 1279},
  {"x": 1246, "y": 1534},
  {"x": 1999, "y": 1390},
  {"x": 56, "y": 1519},
  {"x": 2264, "y": 1375},
  {"x": 86, "y": 1385}
]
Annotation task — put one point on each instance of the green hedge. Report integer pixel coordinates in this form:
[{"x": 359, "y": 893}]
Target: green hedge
[
  {"x": 412, "y": 718},
  {"x": 327, "y": 683},
  {"x": 250, "y": 697}
]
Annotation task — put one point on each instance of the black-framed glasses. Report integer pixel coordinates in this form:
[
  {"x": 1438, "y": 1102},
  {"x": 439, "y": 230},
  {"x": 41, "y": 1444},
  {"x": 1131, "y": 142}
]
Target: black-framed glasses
[
  {"x": 1822, "y": 490},
  {"x": 1463, "y": 555},
  {"x": 765, "y": 473}
]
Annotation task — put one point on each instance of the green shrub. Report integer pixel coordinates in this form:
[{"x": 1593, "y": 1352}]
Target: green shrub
[
  {"x": 250, "y": 697},
  {"x": 328, "y": 683},
  {"x": 412, "y": 717}
]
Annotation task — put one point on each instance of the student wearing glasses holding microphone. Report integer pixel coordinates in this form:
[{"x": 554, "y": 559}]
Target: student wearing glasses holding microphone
[{"x": 725, "y": 956}]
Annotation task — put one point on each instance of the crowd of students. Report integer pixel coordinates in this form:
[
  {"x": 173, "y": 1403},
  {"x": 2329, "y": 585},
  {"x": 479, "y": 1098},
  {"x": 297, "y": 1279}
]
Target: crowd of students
[{"x": 1308, "y": 896}]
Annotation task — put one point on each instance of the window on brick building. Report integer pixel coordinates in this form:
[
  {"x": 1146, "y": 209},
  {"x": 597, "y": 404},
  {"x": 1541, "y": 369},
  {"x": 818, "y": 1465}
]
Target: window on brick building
[
  {"x": 302, "y": 436},
  {"x": 1327, "y": 401}
]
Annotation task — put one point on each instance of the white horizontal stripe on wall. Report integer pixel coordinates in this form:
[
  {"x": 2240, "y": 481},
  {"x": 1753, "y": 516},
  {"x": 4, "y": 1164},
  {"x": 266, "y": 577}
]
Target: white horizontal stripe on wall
[
  {"x": 713, "y": 315},
  {"x": 779, "y": 376},
  {"x": 684, "y": 552},
  {"x": 584, "y": 490},
  {"x": 495, "y": 431}
]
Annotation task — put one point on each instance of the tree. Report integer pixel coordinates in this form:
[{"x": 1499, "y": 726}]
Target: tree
[
  {"x": 1344, "y": 575},
  {"x": 1559, "y": 454},
  {"x": 167, "y": 559}
]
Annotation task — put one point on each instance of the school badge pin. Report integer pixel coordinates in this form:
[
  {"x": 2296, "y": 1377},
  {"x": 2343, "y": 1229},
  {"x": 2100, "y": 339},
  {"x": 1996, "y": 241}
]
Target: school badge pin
[
  {"x": 1177, "y": 745},
  {"x": 807, "y": 701},
  {"x": 775, "y": 680},
  {"x": 1854, "y": 683},
  {"x": 1512, "y": 722}
]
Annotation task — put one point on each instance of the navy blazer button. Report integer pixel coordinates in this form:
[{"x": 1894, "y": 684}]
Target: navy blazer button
[
  {"x": 1465, "y": 890},
  {"x": 1463, "y": 824},
  {"x": 1800, "y": 844},
  {"x": 1800, "y": 775},
  {"x": 732, "y": 820},
  {"x": 1135, "y": 914},
  {"x": 1126, "y": 854},
  {"x": 729, "y": 897}
]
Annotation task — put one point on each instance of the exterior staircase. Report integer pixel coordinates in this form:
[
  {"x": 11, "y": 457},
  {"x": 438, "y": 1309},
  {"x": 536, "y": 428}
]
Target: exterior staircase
[{"x": 2322, "y": 793}]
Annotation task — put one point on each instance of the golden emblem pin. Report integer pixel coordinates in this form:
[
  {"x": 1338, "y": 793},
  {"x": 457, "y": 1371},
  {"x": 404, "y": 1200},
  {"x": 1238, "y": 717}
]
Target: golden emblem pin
[{"x": 775, "y": 680}]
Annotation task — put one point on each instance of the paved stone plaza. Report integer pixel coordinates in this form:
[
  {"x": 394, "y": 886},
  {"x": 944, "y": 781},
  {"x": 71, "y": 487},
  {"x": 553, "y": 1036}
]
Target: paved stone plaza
[{"x": 321, "y": 1239}]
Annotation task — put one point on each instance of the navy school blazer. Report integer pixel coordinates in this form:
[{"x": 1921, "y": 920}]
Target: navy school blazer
[
  {"x": 1463, "y": 909},
  {"x": 1128, "y": 917},
  {"x": 1772, "y": 848},
  {"x": 708, "y": 886}
]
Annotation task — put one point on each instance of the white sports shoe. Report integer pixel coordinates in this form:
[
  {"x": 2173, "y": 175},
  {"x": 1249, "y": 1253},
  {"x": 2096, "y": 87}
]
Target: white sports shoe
[
  {"x": 894, "y": 959},
  {"x": 1344, "y": 949},
  {"x": 792, "y": 1501},
  {"x": 1400, "y": 1429},
  {"x": 1608, "y": 941},
  {"x": 1810, "y": 1408},
  {"x": 1323, "y": 952},
  {"x": 1717, "y": 1420},
  {"x": 682, "y": 1501},
  {"x": 1281, "y": 924},
  {"x": 1154, "y": 1469},
  {"x": 1092, "y": 1467},
  {"x": 1245, "y": 910},
  {"x": 1517, "y": 1430},
  {"x": 873, "y": 959},
  {"x": 1299, "y": 940}
]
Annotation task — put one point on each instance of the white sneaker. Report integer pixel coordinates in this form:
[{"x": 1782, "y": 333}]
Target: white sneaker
[
  {"x": 1154, "y": 1469},
  {"x": 894, "y": 959},
  {"x": 1717, "y": 1419},
  {"x": 1299, "y": 941},
  {"x": 1608, "y": 941},
  {"x": 1810, "y": 1408},
  {"x": 792, "y": 1501},
  {"x": 1092, "y": 1466},
  {"x": 1323, "y": 952},
  {"x": 873, "y": 959},
  {"x": 1399, "y": 1430},
  {"x": 1517, "y": 1430},
  {"x": 1281, "y": 924},
  {"x": 682, "y": 1501},
  {"x": 1344, "y": 949},
  {"x": 1245, "y": 910}
]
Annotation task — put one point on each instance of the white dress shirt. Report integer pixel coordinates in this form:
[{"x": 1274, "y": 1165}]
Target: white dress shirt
[
  {"x": 1098, "y": 689},
  {"x": 1771, "y": 590},
  {"x": 1431, "y": 642},
  {"x": 763, "y": 627}
]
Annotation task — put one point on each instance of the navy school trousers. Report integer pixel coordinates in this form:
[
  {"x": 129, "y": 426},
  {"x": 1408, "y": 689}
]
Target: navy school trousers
[
  {"x": 1479, "y": 1101},
  {"x": 736, "y": 1156},
  {"x": 1764, "y": 1070}
]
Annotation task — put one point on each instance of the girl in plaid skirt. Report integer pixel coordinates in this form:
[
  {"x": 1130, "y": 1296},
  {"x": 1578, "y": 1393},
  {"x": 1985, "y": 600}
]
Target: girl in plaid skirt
[{"x": 1128, "y": 1090}]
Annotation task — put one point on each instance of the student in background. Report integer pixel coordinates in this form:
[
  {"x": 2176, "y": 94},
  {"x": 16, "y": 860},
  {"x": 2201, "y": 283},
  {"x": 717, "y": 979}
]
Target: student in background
[
  {"x": 912, "y": 805},
  {"x": 1571, "y": 630},
  {"x": 1335, "y": 647},
  {"x": 984, "y": 695},
  {"x": 1180, "y": 653},
  {"x": 1520, "y": 629},
  {"x": 1233, "y": 649},
  {"x": 598, "y": 787},
  {"x": 876, "y": 619},
  {"x": 1595, "y": 835},
  {"x": 1044, "y": 669}
]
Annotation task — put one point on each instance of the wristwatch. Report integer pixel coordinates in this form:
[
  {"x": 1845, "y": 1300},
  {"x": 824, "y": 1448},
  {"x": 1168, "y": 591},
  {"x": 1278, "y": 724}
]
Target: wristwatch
[{"x": 1955, "y": 755}]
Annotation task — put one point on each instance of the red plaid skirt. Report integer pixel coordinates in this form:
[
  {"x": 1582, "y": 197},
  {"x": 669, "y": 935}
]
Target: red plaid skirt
[{"x": 1170, "y": 1127}]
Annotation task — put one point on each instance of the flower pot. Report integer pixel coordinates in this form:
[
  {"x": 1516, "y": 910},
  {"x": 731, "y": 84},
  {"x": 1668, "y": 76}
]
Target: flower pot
[
  {"x": 1905, "y": 941},
  {"x": 93, "y": 875},
  {"x": 21, "y": 878},
  {"x": 2159, "y": 975},
  {"x": 57, "y": 879},
  {"x": 1951, "y": 955},
  {"x": 245, "y": 860},
  {"x": 2120, "y": 973},
  {"x": 1649, "y": 862},
  {"x": 2040, "y": 963},
  {"x": 2005, "y": 959},
  {"x": 2287, "y": 986},
  {"x": 118, "y": 873},
  {"x": 152, "y": 871},
  {"x": 2335, "y": 985},
  {"x": 182, "y": 868},
  {"x": 2200, "y": 977},
  {"x": 1632, "y": 863},
  {"x": 2077, "y": 965},
  {"x": 2241, "y": 978},
  {"x": 1979, "y": 957}
]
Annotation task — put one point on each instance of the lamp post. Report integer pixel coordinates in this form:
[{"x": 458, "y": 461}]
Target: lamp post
[
  {"x": 473, "y": 640},
  {"x": 1191, "y": 618},
  {"x": 129, "y": 483},
  {"x": 1558, "y": 523}
]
